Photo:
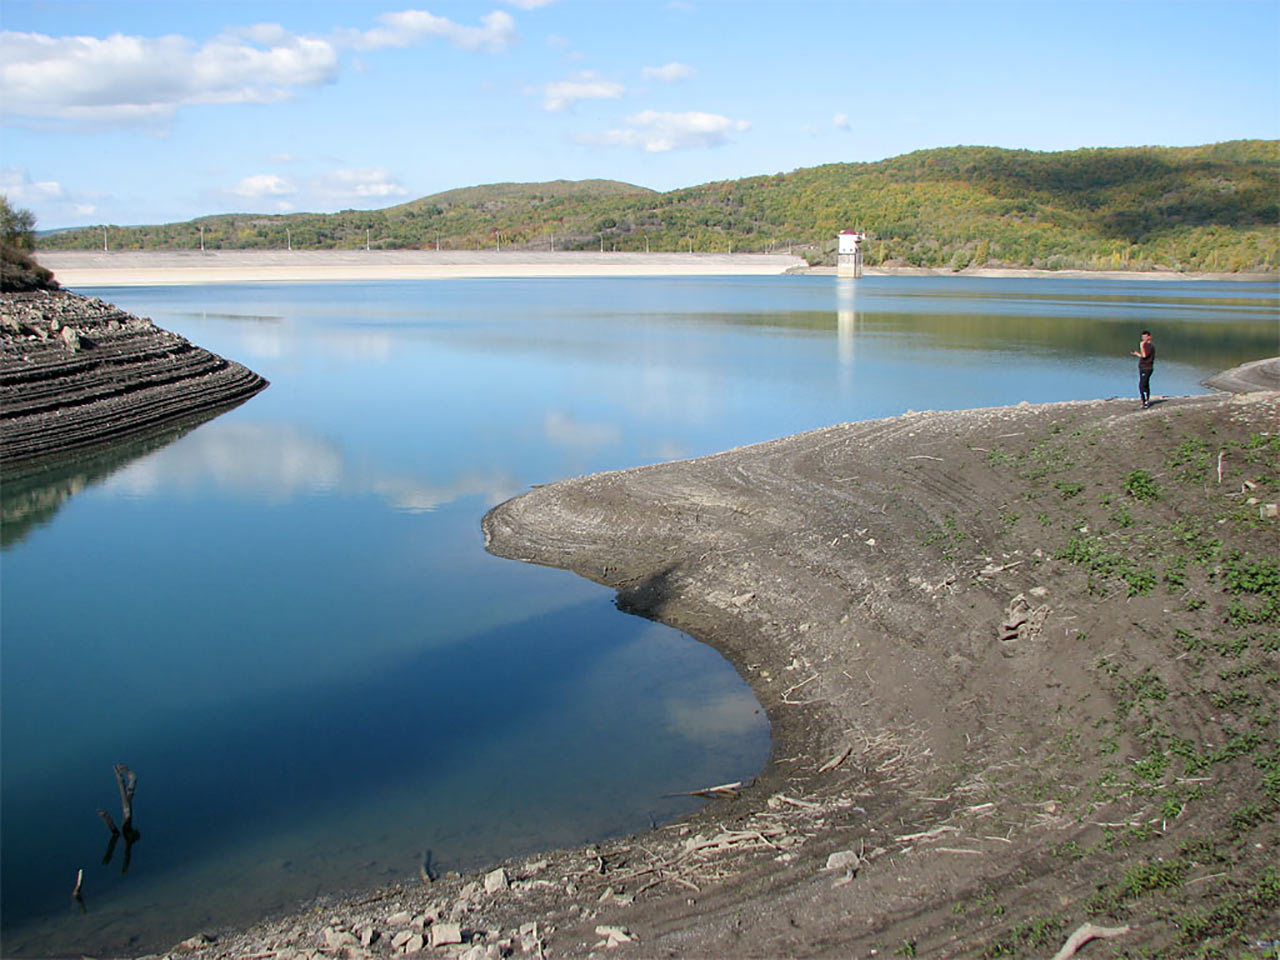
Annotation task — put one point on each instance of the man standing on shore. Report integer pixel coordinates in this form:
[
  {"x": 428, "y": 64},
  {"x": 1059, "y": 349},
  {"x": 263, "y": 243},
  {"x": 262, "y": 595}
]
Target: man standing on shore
[{"x": 1146, "y": 354}]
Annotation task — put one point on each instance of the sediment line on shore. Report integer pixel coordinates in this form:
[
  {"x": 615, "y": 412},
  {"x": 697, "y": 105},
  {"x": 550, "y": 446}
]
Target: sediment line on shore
[{"x": 77, "y": 373}]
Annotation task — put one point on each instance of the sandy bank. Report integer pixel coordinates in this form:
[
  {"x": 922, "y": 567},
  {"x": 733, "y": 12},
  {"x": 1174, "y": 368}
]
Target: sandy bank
[{"x": 141, "y": 268}]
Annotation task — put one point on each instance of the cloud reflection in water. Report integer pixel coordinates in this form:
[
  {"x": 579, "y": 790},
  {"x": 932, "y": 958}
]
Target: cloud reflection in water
[{"x": 277, "y": 462}]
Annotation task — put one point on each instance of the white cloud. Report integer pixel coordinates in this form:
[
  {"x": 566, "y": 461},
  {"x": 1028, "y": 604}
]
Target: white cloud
[
  {"x": 18, "y": 186},
  {"x": 711, "y": 720},
  {"x": 562, "y": 94},
  {"x": 411, "y": 27},
  {"x": 528, "y": 4},
  {"x": 278, "y": 462},
  {"x": 656, "y": 132},
  {"x": 145, "y": 79},
  {"x": 357, "y": 183},
  {"x": 566, "y": 45},
  {"x": 841, "y": 121},
  {"x": 263, "y": 185},
  {"x": 562, "y": 429},
  {"x": 91, "y": 82},
  {"x": 668, "y": 72},
  {"x": 44, "y": 195}
]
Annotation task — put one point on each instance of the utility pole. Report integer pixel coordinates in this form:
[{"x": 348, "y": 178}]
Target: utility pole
[
  {"x": 104, "y": 239},
  {"x": 288, "y": 239},
  {"x": 366, "y": 239},
  {"x": 202, "y": 238}
]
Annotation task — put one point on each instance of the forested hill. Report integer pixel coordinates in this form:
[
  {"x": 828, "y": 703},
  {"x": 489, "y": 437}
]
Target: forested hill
[{"x": 1213, "y": 208}]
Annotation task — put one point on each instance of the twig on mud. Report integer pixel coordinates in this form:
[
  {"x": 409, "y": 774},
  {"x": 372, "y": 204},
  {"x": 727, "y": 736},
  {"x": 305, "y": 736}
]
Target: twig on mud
[
  {"x": 992, "y": 569},
  {"x": 716, "y": 792},
  {"x": 731, "y": 840},
  {"x": 1084, "y": 933},
  {"x": 921, "y": 456},
  {"x": 794, "y": 687},
  {"x": 1208, "y": 876},
  {"x": 802, "y": 804},
  {"x": 680, "y": 880},
  {"x": 889, "y": 763},
  {"x": 976, "y": 853},
  {"x": 926, "y": 835},
  {"x": 835, "y": 761}
]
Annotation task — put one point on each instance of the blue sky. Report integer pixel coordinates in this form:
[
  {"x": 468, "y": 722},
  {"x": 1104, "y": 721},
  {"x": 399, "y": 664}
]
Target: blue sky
[{"x": 155, "y": 111}]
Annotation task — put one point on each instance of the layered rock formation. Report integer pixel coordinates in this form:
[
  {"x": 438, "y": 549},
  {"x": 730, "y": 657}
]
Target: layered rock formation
[{"x": 77, "y": 373}]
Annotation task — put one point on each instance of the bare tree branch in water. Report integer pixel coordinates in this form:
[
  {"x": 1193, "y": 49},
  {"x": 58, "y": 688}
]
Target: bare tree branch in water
[{"x": 127, "y": 781}]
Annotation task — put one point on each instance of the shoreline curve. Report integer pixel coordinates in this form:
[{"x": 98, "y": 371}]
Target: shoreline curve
[{"x": 936, "y": 663}]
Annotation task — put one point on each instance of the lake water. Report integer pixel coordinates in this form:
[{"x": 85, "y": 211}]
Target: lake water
[{"x": 285, "y": 622}]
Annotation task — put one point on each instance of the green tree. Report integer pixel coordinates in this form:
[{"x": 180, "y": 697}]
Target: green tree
[
  {"x": 18, "y": 271},
  {"x": 17, "y": 225}
]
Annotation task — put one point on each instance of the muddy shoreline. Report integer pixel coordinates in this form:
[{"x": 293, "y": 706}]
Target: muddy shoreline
[{"x": 949, "y": 665}]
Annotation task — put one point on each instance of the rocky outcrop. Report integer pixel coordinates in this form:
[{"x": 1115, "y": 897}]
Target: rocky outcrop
[{"x": 78, "y": 373}]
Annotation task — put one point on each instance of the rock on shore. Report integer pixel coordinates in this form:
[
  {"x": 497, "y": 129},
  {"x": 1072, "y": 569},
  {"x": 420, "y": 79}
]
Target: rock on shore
[{"x": 78, "y": 373}]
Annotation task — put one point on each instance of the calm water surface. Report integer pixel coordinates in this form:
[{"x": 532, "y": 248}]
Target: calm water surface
[{"x": 284, "y": 620}]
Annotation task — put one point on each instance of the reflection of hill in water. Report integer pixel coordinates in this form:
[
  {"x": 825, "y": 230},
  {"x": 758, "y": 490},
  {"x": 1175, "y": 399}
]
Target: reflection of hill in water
[
  {"x": 1217, "y": 343},
  {"x": 32, "y": 494}
]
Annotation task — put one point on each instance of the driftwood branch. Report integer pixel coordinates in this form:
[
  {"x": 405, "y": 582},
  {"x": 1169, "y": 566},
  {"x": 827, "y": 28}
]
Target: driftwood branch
[
  {"x": 77, "y": 894},
  {"x": 127, "y": 782},
  {"x": 1084, "y": 933},
  {"x": 835, "y": 761},
  {"x": 111, "y": 824},
  {"x": 427, "y": 870},
  {"x": 718, "y": 791}
]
